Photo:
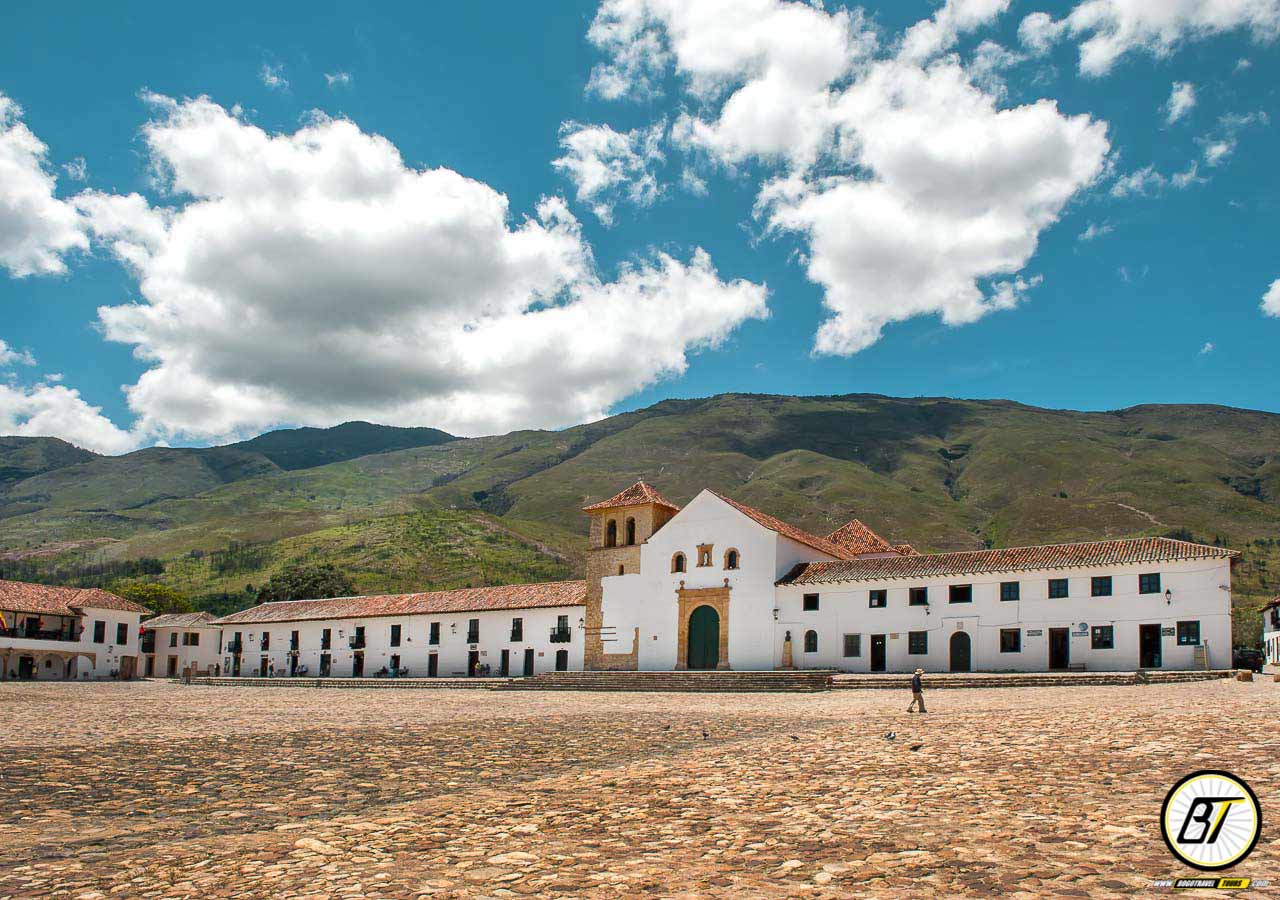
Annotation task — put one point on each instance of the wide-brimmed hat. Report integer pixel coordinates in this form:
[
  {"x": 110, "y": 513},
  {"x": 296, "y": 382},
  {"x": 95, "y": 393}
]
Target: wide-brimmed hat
[{"x": 919, "y": 671}]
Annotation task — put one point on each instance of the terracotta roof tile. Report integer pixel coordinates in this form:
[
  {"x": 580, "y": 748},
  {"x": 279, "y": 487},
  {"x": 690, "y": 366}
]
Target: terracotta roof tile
[
  {"x": 787, "y": 530},
  {"x": 1055, "y": 556},
  {"x": 180, "y": 620},
  {"x": 510, "y": 596},
  {"x": 906, "y": 550},
  {"x": 639, "y": 493},
  {"x": 856, "y": 538},
  {"x": 21, "y": 596}
]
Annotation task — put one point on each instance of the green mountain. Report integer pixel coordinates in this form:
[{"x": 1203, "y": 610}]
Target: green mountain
[
  {"x": 305, "y": 448},
  {"x": 938, "y": 473}
]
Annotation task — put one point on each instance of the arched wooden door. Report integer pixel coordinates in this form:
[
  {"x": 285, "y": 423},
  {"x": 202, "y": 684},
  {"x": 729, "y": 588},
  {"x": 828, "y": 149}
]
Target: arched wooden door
[
  {"x": 704, "y": 638},
  {"x": 961, "y": 652}
]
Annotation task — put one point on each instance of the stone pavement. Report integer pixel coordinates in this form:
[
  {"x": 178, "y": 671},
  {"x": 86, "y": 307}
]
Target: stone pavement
[{"x": 159, "y": 790}]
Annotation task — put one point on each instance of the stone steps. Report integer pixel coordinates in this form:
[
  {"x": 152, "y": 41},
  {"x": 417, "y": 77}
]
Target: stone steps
[
  {"x": 934, "y": 681},
  {"x": 697, "y": 682},
  {"x": 388, "y": 683}
]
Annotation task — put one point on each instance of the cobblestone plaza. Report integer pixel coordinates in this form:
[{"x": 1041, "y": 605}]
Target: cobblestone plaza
[{"x": 155, "y": 789}]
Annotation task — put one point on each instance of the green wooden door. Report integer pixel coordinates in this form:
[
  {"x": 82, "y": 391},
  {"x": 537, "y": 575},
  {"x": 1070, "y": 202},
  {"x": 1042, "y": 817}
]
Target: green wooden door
[{"x": 704, "y": 638}]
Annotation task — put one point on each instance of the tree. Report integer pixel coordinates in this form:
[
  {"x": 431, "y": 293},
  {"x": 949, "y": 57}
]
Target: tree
[
  {"x": 159, "y": 598},
  {"x": 306, "y": 582}
]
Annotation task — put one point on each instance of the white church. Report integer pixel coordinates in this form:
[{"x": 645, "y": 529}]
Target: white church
[{"x": 720, "y": 585}]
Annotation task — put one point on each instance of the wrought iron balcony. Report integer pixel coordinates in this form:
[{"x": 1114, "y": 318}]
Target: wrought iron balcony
[
  {"x": 147, "y": 643},
  {"x": 561, "y": 635},
  {"x": 235, "y": 646},
  {"x": 356, "y": 642},
  {"x": 473, "y": 637}
]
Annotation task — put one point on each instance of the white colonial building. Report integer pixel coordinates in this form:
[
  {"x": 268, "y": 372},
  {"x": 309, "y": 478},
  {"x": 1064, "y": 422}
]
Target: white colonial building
[
  {"x": 522, "y": 629},
  {"x": 58, "y": 633},
  {"x": 1271, "y": 632},
  {"x": 179, "y": 643},
  {"x": 719, "y": 585}
]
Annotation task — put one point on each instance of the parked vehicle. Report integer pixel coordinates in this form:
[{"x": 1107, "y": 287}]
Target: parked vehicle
[{"x": 1247, "y": 658}]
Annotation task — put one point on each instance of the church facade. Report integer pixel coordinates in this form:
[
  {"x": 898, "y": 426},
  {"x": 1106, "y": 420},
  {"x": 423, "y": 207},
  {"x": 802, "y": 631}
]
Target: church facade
[{"x": 720, "y": 585}]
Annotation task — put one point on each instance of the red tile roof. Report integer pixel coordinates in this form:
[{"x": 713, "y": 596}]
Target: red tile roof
[
  {"x": 1055, "y": 556},
  {"x": 906, "y": 550},
  {"x": 1272, "y": 605},
  {"x": 180, "y": 620},
  {"x": 636, "y": 495},
  {"x": 43, "y": 599},
  {"x": 786, "y": 530},
  {"x": 510, "y": 596},
  {"x": 857, "y": 538}
]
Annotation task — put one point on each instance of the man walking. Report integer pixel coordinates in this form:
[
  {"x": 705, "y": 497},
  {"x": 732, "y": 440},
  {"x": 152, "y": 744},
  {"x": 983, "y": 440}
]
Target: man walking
[{"x": 917, "y": 692}]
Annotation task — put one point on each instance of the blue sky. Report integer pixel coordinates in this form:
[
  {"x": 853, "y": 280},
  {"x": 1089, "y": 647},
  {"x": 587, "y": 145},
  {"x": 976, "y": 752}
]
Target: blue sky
[{"x": 1050, "y": 255}]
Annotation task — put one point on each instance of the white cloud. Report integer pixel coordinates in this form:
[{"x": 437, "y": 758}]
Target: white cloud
[
  {"x": 1242, "y": 63},
  {"x": 1138, "y": 183},
  {"x": 1112, "y": 28},
  {"x": 1221, "y": 144},
  {"x": 53, "y": 410},
  {"x": 929, "y": 37},
  {"x": 337, "y": 79},
  {"x": 1188, "y": 176},
  {"x": 313, "y": 277},
  {"x": 12, "y": 357},
  {"x": 694, "y": 183},
  {"x": 37, "y": 229},
  {"x": 1095, "y": 231},
  {"x": 1271, "y": 299},
  {"x": 915, "y": 193},
  {"x": 273, "y": 76},
  {"x": 1181, "y": 99},
  {"x": 775, "y": 59},
  {"x": 990, "y": 60},
  {"x": 1207, "y": 348},
  {"x": 77, "y": 169},
  {"x": 607, "y": 166}
]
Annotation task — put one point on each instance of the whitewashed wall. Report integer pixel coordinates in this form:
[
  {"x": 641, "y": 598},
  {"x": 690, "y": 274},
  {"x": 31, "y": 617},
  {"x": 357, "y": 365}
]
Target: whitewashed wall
[
  {"x": 108, "y": 654},
  {"x": 414, "y": 649},
  {"x": 648, "y": 598},
  {"x": 1200, "y": 592},
  {"x": 203, "y": 656}
]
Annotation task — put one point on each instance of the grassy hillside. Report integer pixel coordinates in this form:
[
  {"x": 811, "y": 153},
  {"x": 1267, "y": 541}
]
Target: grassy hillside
[{"x": 939, "y": 473}]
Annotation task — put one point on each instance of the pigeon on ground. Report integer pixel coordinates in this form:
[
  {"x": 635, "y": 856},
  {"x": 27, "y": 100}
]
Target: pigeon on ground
[
  {"x": 891, "y": 735},
  {"x": 794, "y": 738},
  {"x": 705, "y": 735},
  {"x": 915, "y": 747}
]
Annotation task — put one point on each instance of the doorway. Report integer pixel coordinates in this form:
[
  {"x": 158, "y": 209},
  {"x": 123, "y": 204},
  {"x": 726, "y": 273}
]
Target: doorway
[
  {"x": 877, "y": 653},
  {"x": 357, "y": 665},
  {"x": 263, "y": 666},
  {"x": 528, "y": 663},
  {"x": 562, "y": 660},
  {"x": 171, "y": 667},
  {"x": 26, "y": 667},
  {"x": 1059, "y": 648},
  {"x": 293, "y": 664},
  {"x": 961, "y": 652},
  {"x": 151, "y": 666},
  {"x": 504, "y": 664},
  {"x": 1149, "y": 646},
  {"x": 433, "y": 665},
  {"x": 704, "y": 639},
  {"x": 473, "y": 660}
]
